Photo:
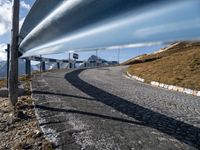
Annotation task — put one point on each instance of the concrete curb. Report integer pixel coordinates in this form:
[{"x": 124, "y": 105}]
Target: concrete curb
[
  {"x": 166, "y": 86},
  {"x": 134, "y": 77}
]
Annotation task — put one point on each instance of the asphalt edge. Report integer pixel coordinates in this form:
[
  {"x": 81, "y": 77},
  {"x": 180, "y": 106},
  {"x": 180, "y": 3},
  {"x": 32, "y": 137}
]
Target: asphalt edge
[{"x": 46, "y": 131}]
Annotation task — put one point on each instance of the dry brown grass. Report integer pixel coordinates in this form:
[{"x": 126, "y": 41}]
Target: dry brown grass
[
  {"x": 19, "y": 128},
  {"x": 23, "y": 78},
  {"x": 2, "y": 83},
  {"x": 21, "y": 131},
  {"x": 179, "y": 66}
]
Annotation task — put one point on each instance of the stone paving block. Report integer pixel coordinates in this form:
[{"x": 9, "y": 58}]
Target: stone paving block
[{"x": 103, "y": 110}]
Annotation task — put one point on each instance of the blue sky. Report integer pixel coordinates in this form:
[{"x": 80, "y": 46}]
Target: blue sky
[
  {"x": 5, "y": 21},
  {"x": 112, "y": 55}
]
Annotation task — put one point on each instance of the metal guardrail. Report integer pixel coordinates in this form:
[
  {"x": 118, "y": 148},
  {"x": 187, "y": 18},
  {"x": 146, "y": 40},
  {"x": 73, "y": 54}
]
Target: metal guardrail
[
  {"x": 37, "y": 58},
  {"x": 64, "y": 25},
  {"x": 43, "y": 59}
]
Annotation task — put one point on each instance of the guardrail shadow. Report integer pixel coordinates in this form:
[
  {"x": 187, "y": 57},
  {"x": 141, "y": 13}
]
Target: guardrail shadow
[
  {"x": 61, "y": 94},
  {"x": 183, "y": 132},
  {"x": 88, "y": 114}
]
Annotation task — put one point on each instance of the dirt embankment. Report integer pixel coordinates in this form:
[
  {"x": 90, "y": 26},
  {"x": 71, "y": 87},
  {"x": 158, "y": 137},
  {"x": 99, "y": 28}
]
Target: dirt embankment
[
  {"x": 176, "y": 65},
  {"x": 19, "y": 128}
]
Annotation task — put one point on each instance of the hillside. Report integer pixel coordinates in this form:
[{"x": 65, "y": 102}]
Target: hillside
[{"x": 178, "y": 64}]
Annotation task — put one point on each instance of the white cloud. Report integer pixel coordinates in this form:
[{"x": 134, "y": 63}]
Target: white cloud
[
  {"x": 5, "y": 16},
  {"x": 25, "y": 5},
  {"x": 3, "y": 54},
  {"x": 2, "y": 29}
]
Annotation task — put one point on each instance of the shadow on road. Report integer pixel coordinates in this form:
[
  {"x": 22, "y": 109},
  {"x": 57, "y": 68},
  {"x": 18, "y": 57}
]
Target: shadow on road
[
  {"x": 88, "y": 114},
  {"x": 182, "y": 131},
  {"x": 61, "y": 94}
]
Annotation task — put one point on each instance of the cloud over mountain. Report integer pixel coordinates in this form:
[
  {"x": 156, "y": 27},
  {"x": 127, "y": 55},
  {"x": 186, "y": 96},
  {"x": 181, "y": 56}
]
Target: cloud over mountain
[{"x": 3, "y": 54}]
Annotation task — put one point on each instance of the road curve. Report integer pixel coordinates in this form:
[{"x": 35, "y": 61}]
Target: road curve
[{"x": 101, "y": 109}]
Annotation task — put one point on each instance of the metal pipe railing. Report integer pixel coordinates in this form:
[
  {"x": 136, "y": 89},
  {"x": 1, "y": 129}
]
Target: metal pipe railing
[{"x": 83, "y": 25}]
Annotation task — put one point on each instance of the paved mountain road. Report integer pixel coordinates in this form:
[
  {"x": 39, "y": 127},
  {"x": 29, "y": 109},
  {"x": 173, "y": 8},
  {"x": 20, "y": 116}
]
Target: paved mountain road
[{"x": 101, "y": 109}]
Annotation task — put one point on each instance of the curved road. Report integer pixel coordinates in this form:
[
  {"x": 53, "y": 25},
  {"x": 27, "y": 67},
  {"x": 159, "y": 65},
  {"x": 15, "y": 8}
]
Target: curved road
[{"x": 101, "y": 109}]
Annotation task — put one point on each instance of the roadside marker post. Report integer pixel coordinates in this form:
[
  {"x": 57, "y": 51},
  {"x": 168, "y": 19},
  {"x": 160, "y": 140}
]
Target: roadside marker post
[{"x": 13, "y": 63}]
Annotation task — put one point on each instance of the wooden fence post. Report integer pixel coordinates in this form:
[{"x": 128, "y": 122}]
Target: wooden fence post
[
  {"x": 8, "y": 58},
  {"x": 13, "y": 69}
]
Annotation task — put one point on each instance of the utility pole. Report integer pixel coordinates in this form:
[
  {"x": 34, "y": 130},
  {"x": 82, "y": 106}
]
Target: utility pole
[{"x": 13, "y": 69}]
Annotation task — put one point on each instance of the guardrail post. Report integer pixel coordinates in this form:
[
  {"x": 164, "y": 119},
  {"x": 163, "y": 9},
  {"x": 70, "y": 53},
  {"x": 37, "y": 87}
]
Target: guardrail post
[
  {"x": 13, "y": 69},
  {"x": 58, "y": 65},
  {"x": 43, "y": 66},
  {"x": 28, "y": 66},
  {"x": 70, "y": 65},
  {"x": 74, "y": 64},
  {"x": 40, "y": 63}
]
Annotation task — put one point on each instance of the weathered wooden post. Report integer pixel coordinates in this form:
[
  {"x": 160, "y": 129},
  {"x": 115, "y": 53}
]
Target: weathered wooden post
[
  {"x": 8, "y": 58},
  {"x": 13, "y": 69}
]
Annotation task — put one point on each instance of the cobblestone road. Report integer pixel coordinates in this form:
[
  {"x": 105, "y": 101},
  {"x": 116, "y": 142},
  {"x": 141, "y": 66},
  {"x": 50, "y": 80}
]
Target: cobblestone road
[{"x": 100, "y": 109}]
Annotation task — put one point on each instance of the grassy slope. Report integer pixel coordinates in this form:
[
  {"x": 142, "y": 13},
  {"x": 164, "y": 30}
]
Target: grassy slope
[{"x": 179, "y": 66}]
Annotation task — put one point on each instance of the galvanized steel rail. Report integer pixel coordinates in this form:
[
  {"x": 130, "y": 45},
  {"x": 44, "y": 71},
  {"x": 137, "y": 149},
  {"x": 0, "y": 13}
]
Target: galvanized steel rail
[{"x": 64, "y": 25}]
